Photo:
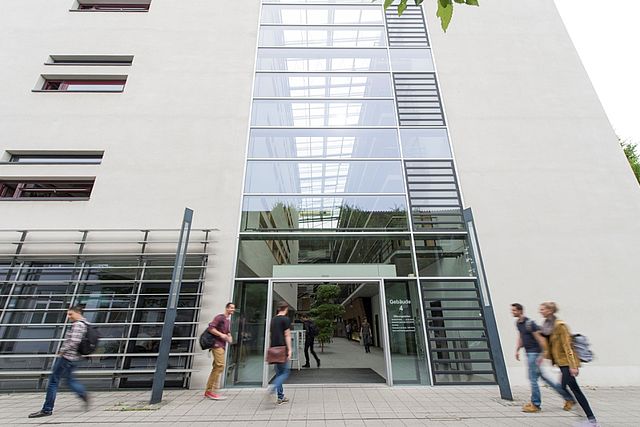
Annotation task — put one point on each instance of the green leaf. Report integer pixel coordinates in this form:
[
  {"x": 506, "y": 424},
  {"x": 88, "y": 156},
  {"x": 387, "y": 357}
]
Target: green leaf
[
  {"x": 445, "y": 12},
  {"x": 419, "y": 2},
  {"x": 402, "y": 6},
  {"x": 472, "y": 2},
  {"x": 387, "y": 3}
]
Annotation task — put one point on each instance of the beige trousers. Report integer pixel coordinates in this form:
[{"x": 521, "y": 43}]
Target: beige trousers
[{"x": 216, "y": 370}]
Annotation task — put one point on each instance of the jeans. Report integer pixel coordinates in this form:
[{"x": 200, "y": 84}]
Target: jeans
[
  {"x": 282, "y": 373},
  {"x": 570, "y": 380},
  {"x": 534, "y": 374},
  {"x": 62, "y": 368}
]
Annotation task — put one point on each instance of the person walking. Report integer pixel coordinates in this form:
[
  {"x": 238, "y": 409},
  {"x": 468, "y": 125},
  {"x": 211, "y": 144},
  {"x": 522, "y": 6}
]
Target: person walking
[
  {"x": 365, "y": 335},
  {"x": 562, "y": 354},
  {"x": 65, "y": 363},
  {"x": 280, "y": 329},
  {"x": 535, "y": 344},
  {"x": 220, "y": 327},
  {"x": 311, "y": 330},
  {"x": 348, "y": 330}
]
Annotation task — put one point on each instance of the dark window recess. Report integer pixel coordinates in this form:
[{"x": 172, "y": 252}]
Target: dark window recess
[
  {"x": 57, "y": 158},
  {"x": 90, "y": 60},
  {"x": 115, "y": 7},
  {"x": 43, "y": 189},
  {"x": 84, "y": 85}
]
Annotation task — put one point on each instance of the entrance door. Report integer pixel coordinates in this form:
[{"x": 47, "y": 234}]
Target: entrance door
[{"x": 343, "y": 312}]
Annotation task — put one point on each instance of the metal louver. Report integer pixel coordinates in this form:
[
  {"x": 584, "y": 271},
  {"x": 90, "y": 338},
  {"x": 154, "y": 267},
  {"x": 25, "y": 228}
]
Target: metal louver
[
  {"x": 408, "y": 29},
  {"x": 418, "y": 99},
  {"x": 434, "y": 201}
]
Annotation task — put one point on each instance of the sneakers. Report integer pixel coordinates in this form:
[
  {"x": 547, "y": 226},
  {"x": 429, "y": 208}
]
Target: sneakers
[
  {"x": 530, "y": 408},
  {"x": 568, "y": 404},
  {"x": 40, "y": 414},
  {"x": 306, "y": 365},
  {"x": 87, "y": 402},
  {"x": 318, "y": 361},
  {"x": 213, "y": 396},
  {"x": 282, "y": 401}
]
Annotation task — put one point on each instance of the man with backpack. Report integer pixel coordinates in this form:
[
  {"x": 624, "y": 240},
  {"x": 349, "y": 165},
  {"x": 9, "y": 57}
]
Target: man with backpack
[
  {"x": 535, "y": 345},
  {"x": 311, "y": 333},
  {"x": 220, "y": 328},
  {"x": 64, "y": 363}
]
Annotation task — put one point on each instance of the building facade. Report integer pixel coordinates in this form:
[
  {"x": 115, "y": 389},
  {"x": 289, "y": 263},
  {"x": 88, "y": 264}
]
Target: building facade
[{"x": 319, "y": 142}]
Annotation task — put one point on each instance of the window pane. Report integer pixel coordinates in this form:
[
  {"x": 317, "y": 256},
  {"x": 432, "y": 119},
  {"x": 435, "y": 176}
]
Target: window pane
[
  {"x": 322, "y": 60},
  {"x": 323, "y": 143},
  {"x": 407, "y": 349},
  {"x": 322, "y": 86},
  {"x": 411, "y": 60},
  {"x": 318, "y": 15},
  {"x": 248, "y": 328},
  {"x": 323, "y": 36},
  {"x": 324, "y": 177},
  {"x": 380, "y": 213},
  {"x": 361, "y": 256},
  {"x": 80, "y": 85},
  {"x": 443, "y": 256},
  {"x": 323, "y": 113},
  {"x": 425, "y": 143}
]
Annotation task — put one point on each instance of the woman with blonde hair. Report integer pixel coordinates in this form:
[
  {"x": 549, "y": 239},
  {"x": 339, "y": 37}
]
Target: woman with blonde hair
[{"x": 560, "y": 351}]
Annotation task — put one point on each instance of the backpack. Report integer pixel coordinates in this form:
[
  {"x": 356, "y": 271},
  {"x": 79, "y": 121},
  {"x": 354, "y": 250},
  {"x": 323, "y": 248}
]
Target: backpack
[
  {"x": 582, "y": 347},
  {"x": 313, "y": 330},
  {"x": 89, "y": 341},
  {"x": 206, "y": 340}
]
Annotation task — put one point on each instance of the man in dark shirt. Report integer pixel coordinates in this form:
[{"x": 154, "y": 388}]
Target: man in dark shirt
[
  {"x": 311, "y": 330},
  {"x": 281, "y": 336},
  {"x": 534, "y": 345},
  {"x": 220, "y": 327}
]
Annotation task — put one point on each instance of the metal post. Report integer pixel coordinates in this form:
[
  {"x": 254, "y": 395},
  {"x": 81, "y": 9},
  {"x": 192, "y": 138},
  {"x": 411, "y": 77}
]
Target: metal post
[
  {"x": 172, "y": 303},
  {"x": 487, "y": 307}
]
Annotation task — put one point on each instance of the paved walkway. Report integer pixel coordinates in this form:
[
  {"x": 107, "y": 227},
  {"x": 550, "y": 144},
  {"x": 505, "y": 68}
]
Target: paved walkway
[{"x": 371, "y": 405}]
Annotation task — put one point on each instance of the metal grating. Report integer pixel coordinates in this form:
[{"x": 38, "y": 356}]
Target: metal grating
[
  {"x": 408, "y": 29},
  {"x": 122, "y": 278},
  {"x": 418, "y": 99},
  {"x": 434, "y": 199},
  {"x": 457, "y": 333}
]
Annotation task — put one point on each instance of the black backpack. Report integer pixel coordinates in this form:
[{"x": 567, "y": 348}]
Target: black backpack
[
  {"x": 206, "y": 340},
  {"x": 313, "y": 330},
  {"x": 89, "y": 341}
]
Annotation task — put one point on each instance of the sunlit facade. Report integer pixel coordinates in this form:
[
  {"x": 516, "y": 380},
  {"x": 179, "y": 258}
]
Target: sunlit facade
[{"x": 432, "y": 178}]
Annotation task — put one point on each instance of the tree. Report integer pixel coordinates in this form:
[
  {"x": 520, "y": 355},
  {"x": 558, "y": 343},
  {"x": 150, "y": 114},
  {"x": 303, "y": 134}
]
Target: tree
[
  {"x": 325, "y": 311},
  {"x": 445, "y": 8},
  {"x": 632, "y": 157}
]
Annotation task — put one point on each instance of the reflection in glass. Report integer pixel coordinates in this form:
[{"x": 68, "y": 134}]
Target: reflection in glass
[
  {"x": 425, "y": 143},
  {"x": 406, "y": 340},
  {"x": 340, "y": 256},
  {"x": 411, "y": 60},
  {"x": 324, "y": 177},
  {"x": 271, "y": 213},
  {"x": 318, "y": 15},
  {"x": 314, "y": 85},
  {"x": 246, "y": 355},
  {"x": 323, "y": 113},
  {"x": 323, "y": 143},
  {"x": 323, "y": 36},
  {"x": 322, "y": 60},
  {"x": 443, "y": 256}
]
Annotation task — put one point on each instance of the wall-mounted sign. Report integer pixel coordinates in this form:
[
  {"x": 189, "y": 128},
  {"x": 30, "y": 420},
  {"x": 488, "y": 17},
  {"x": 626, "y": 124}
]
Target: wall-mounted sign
[{"x": 401, "y": 319}]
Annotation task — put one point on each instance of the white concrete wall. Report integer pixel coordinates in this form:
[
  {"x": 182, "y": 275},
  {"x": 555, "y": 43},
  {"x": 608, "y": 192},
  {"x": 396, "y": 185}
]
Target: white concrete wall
[
  {"x": 176, "y": 137},
  {"x": 556, "y": 205}
]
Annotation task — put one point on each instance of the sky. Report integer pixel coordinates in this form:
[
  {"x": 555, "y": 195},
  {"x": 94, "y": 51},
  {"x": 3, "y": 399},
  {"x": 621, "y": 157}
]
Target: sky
[{"x": 607, "y": 37}]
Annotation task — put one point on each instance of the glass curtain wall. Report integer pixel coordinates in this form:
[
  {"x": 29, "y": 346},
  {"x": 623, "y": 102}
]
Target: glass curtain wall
[{"x": 349, "y": 169}]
